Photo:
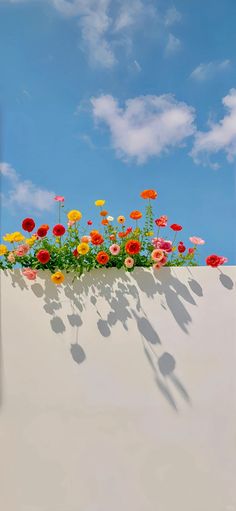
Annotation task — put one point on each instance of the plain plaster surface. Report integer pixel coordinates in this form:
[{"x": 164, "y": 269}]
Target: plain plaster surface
[{"x": 118, "y": 392}]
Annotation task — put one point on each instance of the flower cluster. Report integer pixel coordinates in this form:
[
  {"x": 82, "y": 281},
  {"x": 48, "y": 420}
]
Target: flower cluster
[{"x": 121, "y": 243}]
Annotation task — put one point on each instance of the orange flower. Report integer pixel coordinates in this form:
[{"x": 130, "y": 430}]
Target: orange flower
[
  {"x": 103, "y": 212},
  {"x": 122, "y": 234},
  {"x": 148, "y": 194},
  {"x": 97, "y": 239},
  {"x": 133, "y": 247},
  {"x": 93, "y": 232},
  {"x": 102, "y": 257},
  {"x": 104, "y": 221},
  {"x": 135, "y": 215}
]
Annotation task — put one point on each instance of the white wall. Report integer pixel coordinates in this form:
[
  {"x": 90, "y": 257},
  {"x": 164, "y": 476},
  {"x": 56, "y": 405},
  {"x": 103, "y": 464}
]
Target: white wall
[{"x": 119, "y": 392}]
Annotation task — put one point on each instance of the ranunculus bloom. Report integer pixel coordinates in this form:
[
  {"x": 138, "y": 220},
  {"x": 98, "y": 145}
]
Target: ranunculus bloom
[
  {"x": 99, "y": 202},
  {"x": 43, "y": 256},
  {"x": 165, "y": 245},
  {"x": 176, "y": 227},
  {"x": 102, "y": 257},
  {"x": 196, "y": 241},
  {"x": 114, "y": 249},
  {"x": 104, "y": 221},
  {"x": 213, "y": 260},
  {"x": 85, "y": 239},
  {"x": 59, "y": 198},
  {"x": 148, "y": 194},
  {"x": 129, "y": 262},
  {"x": 181, "y": 248},
  {"x": 28, "y": 224},
  {"x": 57, "y": 277},
  {"x": 97, "y": 239},
  {"x": 74, "y": 215},
  {"x": 162, "y": 221},
  {"x": 103, "y": 212},
  {"x": 121, "y": 219},
  {"x": 58, "y": 230},
  {"x": 135, "y": 215},
  {"x": 42, "y": 232},
  {"x": 83, "y": 248},
  {"x": 157, "y": 254},
  {"x": 133, "y": 247},
  {"x": 22, "y": 250},
  {"x": 29, "y": 273}
]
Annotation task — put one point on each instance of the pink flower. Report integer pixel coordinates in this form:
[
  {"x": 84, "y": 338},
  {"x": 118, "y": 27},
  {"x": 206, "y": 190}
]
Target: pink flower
[
  {"x": 158, "y": 264},
  {"x": 165, "y": 245},
  {"x": 114, "y": 249},
  {"x": 196, "y": 241},
  {"x": 70, "y": 223},
  {"x": 22, "y": 250},
  {"x": 29, "y": 273},
  {"x": 223, "y": 260},
  {"x": 59, "y": 198},
  {"x": 162, "y": 221},
  {"x": 11, "y": 258},
  {"x": 157, "y": 254},
  {"x": 129, "y": 262}
]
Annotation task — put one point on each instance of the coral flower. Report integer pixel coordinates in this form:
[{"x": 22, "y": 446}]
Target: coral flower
[
  {"x": 57, "y": 277},
  {"x": 29, "y": 273},
  {"x": 58, "y": 230},
  {"x": 83, "y": 248},
  {"x": 99, "y": 202},
  {"x": 70, "y": 223},
  {"x": 3, "y": 250},
  {"x": 162, "y": 221},
  {"x": 103, "y": 212},
  {"x": 196, "y": 241},
  {"x": 59, "y": 198},
  {"x": 148, "y": 194},
  {"x": 104, "y": 221},
  {"x": 102, "y": 257},
  {"x": 42, "y": 232},
  {"x": 157, "y": 254},
  {"x": 85, "y": 239},
  {"x": 11, "y": 257},
  {"x": 43, "y": 256},
  {"x": 112, "y": 237},
  {"x": 22, "y": 250},
  {"x": 122, "y": 234},
  {"x": 74, "y": 215},
  {"x": 97, "y": 239},
  {"x": 215, "y": 260},
  {"x": 176, "y": 227},
  {"x": 135, "y": 215},
  {"x": 133, "y": 247},
  {"x": 114, "y": 249},
  {"x": 28, "y": 224},
  {"x": 129, "y": 262},
  {"x": 121, "y": 219}
]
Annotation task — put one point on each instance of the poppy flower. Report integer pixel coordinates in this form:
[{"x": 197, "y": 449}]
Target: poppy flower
[
  {"x": 214, "y": 260},
  {"x": 89, "y": 222},
  {"x": 135, "y": 215},
  {"x": 58, "y": 230},
  {"x": 196, "y": 241},
  {"x": 99, "y": 202},
  {"x": 148, "y": 194},
  {"x": 104, "y": 221},
  {"x": 181, "y": 247},
  {"x": 42, "y": 232},
  {"x": 59, "y": 198},
  {"x": 133, "y": 247},
  {"x": 102, "y": 257},
  {"x": 97, "y": 239},
  {"x": 103, "y": 212},
  {"x": 176, "y": 227},
  {"x": 43, "y": 256},
  {"x": 162, "y": 221},
  {"x": 28, "y": 224}
]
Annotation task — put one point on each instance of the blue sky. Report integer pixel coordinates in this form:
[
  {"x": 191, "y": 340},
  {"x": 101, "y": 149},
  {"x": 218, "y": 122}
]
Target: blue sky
[{"x": 103, "y": 98}]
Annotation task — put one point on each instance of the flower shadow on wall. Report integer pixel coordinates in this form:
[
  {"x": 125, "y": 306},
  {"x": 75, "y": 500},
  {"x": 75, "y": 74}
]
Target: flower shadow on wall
[{"x": 127, "y": 298}]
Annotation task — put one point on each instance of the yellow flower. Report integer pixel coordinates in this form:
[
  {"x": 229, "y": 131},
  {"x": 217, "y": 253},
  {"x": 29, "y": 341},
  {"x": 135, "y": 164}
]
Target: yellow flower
[
  {"x": 99, "y": 202},
  {"x": 83, "y": 248},
  {"x": 150, "y": 233},
  {"x": 31, "y": 241},
  {"x": 3, "y": 250},
  {"x": 74, "y": 215},
  {"x": 57, "y": 278},
  {"x": 14, "y": 236},
  {"x": 121, "y": 219}
]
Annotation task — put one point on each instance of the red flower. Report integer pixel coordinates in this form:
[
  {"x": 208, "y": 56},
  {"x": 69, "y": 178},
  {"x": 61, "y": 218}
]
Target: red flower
[
  {"x": 42, "y": 232},
  {"x": 181, "y": 247},
  {"x": 213, "y": 260},
  {"x": 176, "y": 227},
  {"x": 43, "y": 256},
  {"x": 162, "y": 221},
  {"x": 102, "y": 257},
  {"x": 89, "y": 222},
  {"x": 97, "y": 239},
  {"x": 58, "y": 230},
  {"x": 133, "y": 247},
  {"x": 191, "y": 250},
  {"x": 28, "y": 224},
  {"x": 76, "y": 253}
]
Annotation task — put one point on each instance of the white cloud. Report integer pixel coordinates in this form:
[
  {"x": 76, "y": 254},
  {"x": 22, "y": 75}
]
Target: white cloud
[
  {"x": 208, "y": 70},
  {"x": 173, "y": 45},
  {"x": 24, "y": 194},
  {"x": 172, "y": 16},
  {"x": 220, "y": 137},
  {"x": 147, "y": 125}
]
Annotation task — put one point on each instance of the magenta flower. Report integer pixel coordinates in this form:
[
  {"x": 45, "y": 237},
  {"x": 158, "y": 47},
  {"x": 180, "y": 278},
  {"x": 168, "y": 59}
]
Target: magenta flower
[{"x": 59, "y": 198}]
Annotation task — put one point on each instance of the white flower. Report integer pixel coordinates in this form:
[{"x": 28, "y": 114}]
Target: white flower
[{"x": 110, "y": 218}]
